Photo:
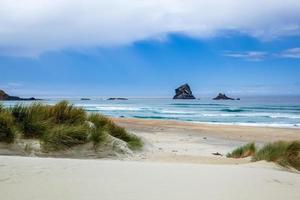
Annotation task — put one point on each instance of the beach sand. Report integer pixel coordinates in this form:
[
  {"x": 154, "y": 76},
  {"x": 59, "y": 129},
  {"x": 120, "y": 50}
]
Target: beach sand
[
  {"x": 174, "y": 141},
  {"x": 72, "y": 179},
  {"x": 177, "y": 162}
]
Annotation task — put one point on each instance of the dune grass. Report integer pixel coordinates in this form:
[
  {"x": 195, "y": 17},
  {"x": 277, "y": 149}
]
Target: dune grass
[
  {"x": 243, "y": 151},
  {"x": 114, "y": 130},
  {"x": 60, "y": 126},
  {"x": 284, "y": 153},
  {"x": 65, "y": 113},
  {"x": 65, "y": 136},
  {"x": 7, "y": 130}
]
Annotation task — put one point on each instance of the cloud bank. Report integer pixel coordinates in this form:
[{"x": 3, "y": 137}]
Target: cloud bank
[
  {"x": 293, "y": 53},
  {"x": 248, "y": 55},
  {"x": 31, "y": 27}
]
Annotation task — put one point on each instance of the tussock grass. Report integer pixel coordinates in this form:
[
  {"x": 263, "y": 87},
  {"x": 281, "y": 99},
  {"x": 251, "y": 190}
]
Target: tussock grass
[
  {"x": 31, "y": 120},
  {"x": 60, "y": 126},
  {"x": 282, "y": 152},
  {"x": 243, "y": 151},
  {"x": 99, "y": 120},
  {"x": 114, "y": 130},
  {"x": 62, "y": 137},
  {"x": 97, "y": 136},
  {"x": 7, "y": 132},
  {"x": 63, "y": 112},
  {"x": 133, "y": 141},
  {"x": 1, "y": 107}
]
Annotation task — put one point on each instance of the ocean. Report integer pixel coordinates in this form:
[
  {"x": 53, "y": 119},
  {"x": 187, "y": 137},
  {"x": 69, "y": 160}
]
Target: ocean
[{"x": 273, "y": 111}]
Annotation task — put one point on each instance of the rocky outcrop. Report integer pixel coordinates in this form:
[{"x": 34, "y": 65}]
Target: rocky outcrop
[
  {"x": 184, "y": 92},
  {"x": 117, "y": 99},
  {"x": 222, "y": 97},
  {"x": 85, "y": 99},
  {"x": 6, "y": 97}
]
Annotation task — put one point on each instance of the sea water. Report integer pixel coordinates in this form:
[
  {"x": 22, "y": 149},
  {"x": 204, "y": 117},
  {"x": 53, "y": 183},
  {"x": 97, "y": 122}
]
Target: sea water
[{"x": 271, "y": 111}]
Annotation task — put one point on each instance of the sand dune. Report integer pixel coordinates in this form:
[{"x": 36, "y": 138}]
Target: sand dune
[
  {"x": 52, "y": 178},
  {"x": 176, "y": 163}
]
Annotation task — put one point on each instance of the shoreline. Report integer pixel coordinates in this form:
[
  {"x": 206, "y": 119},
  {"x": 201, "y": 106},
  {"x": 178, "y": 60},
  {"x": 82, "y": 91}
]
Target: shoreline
[
  {"x": 233, "y": 132},
  {"x": 265, "y": 125}
]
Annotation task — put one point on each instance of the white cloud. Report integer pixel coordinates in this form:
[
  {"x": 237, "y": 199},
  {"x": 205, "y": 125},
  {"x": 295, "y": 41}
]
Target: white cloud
[
  {"x": 248, "y": 55},
  {"x": 30, "y": 27},
  {"x": 290, "y": 53}
]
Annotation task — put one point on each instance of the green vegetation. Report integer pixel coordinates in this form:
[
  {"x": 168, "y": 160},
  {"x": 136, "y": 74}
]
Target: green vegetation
[
  {"x": 60, "y": 126},
  {"x": 284, "y": 153},
  {"x": 243, "y": 151},
  {"x": 7, "y": 132},
  {"x": 65, "y": 136},
  {"x": 114, "y": 130}
]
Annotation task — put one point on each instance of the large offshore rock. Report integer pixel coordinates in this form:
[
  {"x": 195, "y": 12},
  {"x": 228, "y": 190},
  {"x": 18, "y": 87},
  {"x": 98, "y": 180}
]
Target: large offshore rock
[{"x": 184, "y": 92}]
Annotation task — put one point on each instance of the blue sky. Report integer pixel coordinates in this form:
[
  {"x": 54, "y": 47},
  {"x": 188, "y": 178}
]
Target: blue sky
[{"x": 251, "y": 60}]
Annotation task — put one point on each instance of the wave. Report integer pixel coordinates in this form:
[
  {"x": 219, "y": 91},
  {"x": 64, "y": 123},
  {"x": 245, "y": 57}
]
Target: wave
[
  {"x": 196, "y": 104},
  {"x": 233, "y": 110},
  {"x": 156, "y": 117},
  {"x": 175, "y": 112},
  {"x": 291, "y": 108},
  {"x": 116, "y": 108},
  {"x": 265, "y": 115},
  {"x": 277, "y": 125}
]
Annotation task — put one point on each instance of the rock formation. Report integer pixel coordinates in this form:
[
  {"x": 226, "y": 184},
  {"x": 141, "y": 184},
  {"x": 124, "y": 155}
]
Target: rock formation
[
  {"x": 117, "y": 99},
  {"x": 222, "y": 97},
  {"x": 85, "y": 99},
  {"x": 184, "y": 92},
  {"x": 6, "y": 97}
]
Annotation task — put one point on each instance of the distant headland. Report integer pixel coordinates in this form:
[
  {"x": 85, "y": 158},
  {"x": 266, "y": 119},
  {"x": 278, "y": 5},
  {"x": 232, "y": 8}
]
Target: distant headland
[{"x": 5, "y": 97}]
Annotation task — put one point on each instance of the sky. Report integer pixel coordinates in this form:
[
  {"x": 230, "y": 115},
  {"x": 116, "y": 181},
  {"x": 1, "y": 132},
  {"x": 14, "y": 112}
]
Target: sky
[{"x": 140, "y": 48}]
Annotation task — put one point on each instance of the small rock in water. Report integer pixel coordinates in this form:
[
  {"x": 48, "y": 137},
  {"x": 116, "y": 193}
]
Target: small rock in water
[
  {"x": 222, "y": 97},
  {"x": 118, "y": 98}
]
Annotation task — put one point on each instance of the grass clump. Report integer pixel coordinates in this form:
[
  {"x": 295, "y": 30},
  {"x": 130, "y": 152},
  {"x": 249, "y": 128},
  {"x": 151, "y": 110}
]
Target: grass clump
[
  {"x": 282, "y": 152},
  {"x": 31, "y": 120},
  {"x": 60, "y": 126},
  {"x": 7, "y": 133},
  {"x": 243, "y": 151},
  {"x": 63, "y": 112},
  {"x": 63, "y": 136},
  {"x": 133, "y": 141},
  {"x": 109, "y": 127}
]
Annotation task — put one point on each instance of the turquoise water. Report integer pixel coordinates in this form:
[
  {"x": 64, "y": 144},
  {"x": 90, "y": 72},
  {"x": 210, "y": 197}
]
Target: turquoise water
[{"x": 253, "y": 111}]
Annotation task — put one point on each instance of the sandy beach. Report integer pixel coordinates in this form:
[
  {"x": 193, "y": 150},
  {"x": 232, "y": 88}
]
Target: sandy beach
[
  {"x": 48, "y": 178},
  {"x": 177, "y": 162},
  {"x": 174, "y": 141}
]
